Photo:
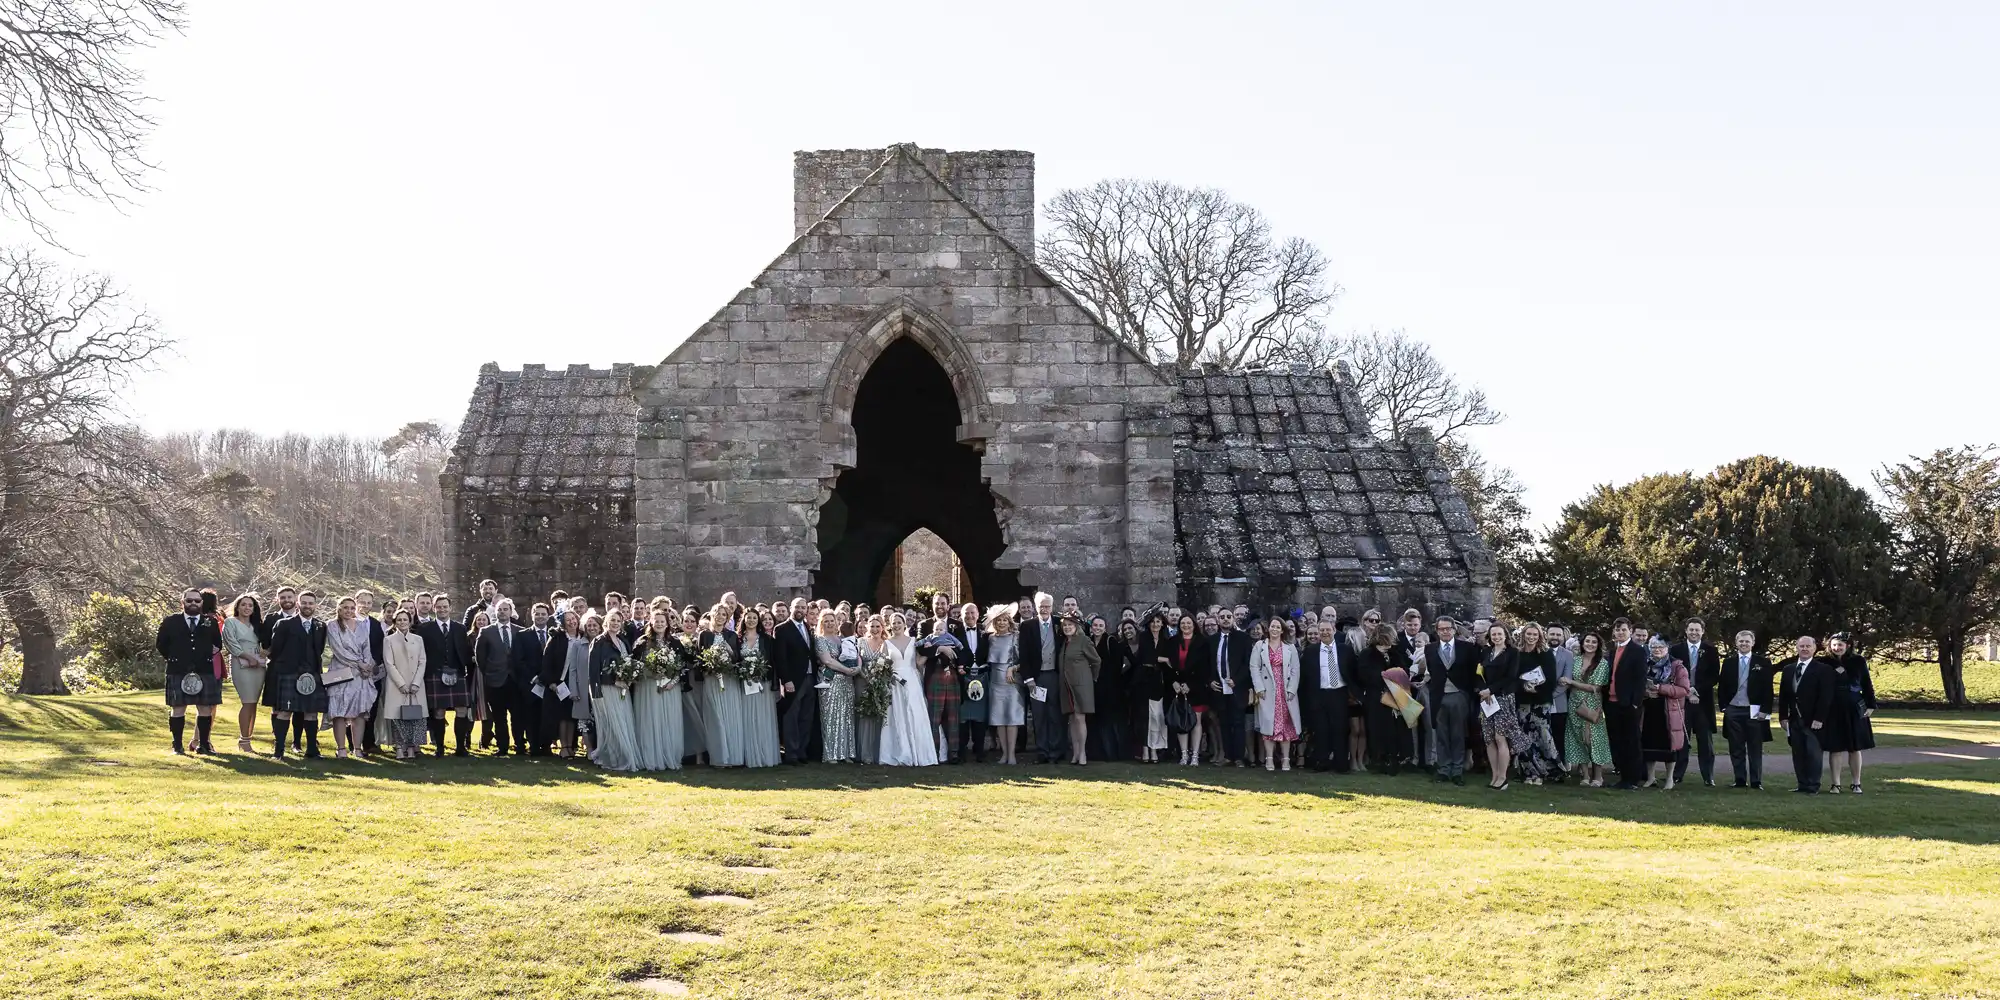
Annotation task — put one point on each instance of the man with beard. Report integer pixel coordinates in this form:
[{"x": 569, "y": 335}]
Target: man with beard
[
  {"x": 188, "y": 641},
  {"x": 293, "y": 687}
]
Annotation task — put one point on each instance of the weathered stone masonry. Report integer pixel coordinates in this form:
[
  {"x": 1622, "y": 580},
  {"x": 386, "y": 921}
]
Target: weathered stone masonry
[{"x": 1103, "y": 474}]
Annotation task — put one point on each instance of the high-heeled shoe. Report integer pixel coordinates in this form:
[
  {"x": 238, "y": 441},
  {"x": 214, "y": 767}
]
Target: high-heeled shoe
[{"x": 1286, "y": 766}]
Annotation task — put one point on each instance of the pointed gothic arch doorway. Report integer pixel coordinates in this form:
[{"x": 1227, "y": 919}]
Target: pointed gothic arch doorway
[{"x": 910, "y": 473}]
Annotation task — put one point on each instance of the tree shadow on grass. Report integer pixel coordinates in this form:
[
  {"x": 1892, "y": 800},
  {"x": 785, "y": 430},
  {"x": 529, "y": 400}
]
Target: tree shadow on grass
[{"x": 1904, "y": 801}]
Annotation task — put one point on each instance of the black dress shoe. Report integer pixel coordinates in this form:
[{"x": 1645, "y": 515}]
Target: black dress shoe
[
  {"x": 1458, "y": 779},
  {"x": 1741, "y": 784},
  {"x": 1626, "y": 786},
  {"x": 1757, "y": 785},
  {"x": 314, "y": 755}
]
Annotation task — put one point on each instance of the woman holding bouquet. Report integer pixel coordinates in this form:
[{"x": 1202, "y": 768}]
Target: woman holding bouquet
[
  {"x": 656, "y": 704},
  {"x": 906, "y": 731},
  {"x": 873, "y": 644},
  {"x": 838, "y": 663},
  {"x": 721, "y": 694},
  {"x": 610, "y": 695},
  {"x": 761, "y": 746}
]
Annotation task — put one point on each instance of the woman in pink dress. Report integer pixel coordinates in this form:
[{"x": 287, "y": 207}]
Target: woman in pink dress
[{"x": 1274, "y": 675}]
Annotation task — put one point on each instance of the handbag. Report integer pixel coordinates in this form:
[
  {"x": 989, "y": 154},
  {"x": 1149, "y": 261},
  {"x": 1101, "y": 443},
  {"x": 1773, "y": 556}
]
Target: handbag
[
  {"x": 339, "y": 673},
  {"x": 1590, "y": 715},
  {"x": 1180, "y": 716},
  {"x": 409, "y": 713}
]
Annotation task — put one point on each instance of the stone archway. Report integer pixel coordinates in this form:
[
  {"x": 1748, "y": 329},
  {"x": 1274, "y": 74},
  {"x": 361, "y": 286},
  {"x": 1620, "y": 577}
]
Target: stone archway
[{"x": 910, "y": 466}]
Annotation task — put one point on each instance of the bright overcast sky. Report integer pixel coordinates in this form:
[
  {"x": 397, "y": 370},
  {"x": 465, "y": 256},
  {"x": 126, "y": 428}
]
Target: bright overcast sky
[{"x": 1661, "y": 237}]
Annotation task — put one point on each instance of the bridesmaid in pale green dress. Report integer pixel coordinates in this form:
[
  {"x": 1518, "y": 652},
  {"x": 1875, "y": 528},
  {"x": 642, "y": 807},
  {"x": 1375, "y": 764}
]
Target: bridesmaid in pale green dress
[
  {"x": 721, "y": 695},
  {"x": 836, "y": 703},
  {"x": 656, "y": 700},
  {"x": 760, "y": 707}
]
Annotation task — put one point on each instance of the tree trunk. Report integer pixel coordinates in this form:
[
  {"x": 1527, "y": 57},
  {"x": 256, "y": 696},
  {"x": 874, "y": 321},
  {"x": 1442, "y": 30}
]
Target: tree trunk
[
  {"x": 1951, "y": 668},
  {"x": 41, "y": 669}
]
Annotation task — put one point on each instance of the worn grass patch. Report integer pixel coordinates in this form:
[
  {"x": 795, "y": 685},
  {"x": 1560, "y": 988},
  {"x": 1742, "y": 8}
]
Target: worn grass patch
[{"x": 246, "y": 878}]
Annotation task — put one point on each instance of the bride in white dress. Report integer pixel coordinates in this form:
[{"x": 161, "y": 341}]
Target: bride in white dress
[{"x": 906, "y": 733}]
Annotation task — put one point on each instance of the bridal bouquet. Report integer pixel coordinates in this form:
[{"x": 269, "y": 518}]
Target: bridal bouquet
[
  {"x": 751, "y": 668},
  {"x": 717, "y": 663},
  {"x": 663, "y": 664},
  {"x": 875, "y": 683},
  {"x": 627, "y": 672}
]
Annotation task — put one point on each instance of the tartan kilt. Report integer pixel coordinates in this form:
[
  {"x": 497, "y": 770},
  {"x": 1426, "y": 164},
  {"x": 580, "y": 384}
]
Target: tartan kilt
[
  {"x": 281, "y": 693},
  {"x": 941, "y": 694},
  {"x": 438, "y": 694},
  {"x": 210, "y": 693}
]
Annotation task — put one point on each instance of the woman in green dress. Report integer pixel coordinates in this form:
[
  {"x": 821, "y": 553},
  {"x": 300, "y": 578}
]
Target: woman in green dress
[{"x": 1586, "y": 744}]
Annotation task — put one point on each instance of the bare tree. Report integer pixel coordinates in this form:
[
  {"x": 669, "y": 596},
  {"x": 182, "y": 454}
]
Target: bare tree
[
  {"x": 1185, "y": 274},
  {"x": 1405, "y": 386},
  {"x": 72, "y": 118},
  {"x": 69, "y": 475}
]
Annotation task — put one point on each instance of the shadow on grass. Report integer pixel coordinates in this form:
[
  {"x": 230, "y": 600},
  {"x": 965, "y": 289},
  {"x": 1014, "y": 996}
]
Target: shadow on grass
[{"x": 1904, "y": 801}]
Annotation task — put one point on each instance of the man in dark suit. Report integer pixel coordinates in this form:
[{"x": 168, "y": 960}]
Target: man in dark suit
[
  {"x": 1041, "y": 649},
  {"x": 494, "y": 652},
  {"x": 971, "y": 731},
  {"x": 1702, "y": 663},
  {"x": 1451, "y": 665},
  {"x": 1225, "y": 668},
  {"x": 188, "y": 641},
  {"x": 433, "y": 627},
  {"x": 798, "y": 699},
  {"x": 1623, "y": 704},
  {"x": 1805, "y": 701},
  {"x": 1743, "y": 688},
  {"x": 531, "y": 647},
  {"x": 298, "y": 648},
  {"x": 1326, "y": 674}
]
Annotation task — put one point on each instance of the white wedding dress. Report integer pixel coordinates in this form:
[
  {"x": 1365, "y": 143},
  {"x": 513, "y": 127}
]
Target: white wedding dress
[{"x": 906, "y": 733}]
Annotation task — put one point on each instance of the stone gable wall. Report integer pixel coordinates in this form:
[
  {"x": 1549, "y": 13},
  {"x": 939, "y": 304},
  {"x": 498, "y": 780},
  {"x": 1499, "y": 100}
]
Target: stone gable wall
[{"x": 742, "y": 431}]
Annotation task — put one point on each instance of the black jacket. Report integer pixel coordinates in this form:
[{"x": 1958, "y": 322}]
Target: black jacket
[
  {"x": 1464, "y": 672},
  {"x": 298, "y": 645},
  {"x": 1544, "y": 692},
  {"x": 792, "y": 658},
  {"x": 438, "y": 645},
  {"x": 1236, "y": 654},
  {"x": 1344, "y": 662},
  {"x": 1502, "y": 674},
  {"x": 525, "y": 663},
  {"x": 1809, "y": 700},
  {"x": 1702, "y": 663},
  {"x": 188, "y": 650},
  {"x": 1031, "y": 644},
  {"x": 1628, "y": 676}
]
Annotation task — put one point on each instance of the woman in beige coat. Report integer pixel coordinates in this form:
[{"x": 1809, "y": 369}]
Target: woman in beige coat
[
  {"x": 1078, "y": 666},
  {"x": 403, "y": 688},
  {"x": 1274, "y": 675}
]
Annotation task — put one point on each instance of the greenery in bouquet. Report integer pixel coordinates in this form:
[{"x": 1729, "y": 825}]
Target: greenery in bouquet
[
  {"x": 874, "y": 685},
  {"x": 751, "y": 666},
  {"x": 717, "y": 663}
]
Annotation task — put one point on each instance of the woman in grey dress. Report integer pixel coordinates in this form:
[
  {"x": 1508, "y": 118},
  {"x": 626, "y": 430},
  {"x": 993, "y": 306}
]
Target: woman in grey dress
[
  {"x": 760, "y": 706},
  {"x": 576, "y": 674},
  {"x": 1005, "y": 709},
  {"x": 721, "y": 695},
  {"x": 610, "y": 700},
  {"x": 657, "y": 703},
  {"x": 836, "y": 702},
  {"x": 694, "y": 730},
  {"x": 868, "y": 728}
]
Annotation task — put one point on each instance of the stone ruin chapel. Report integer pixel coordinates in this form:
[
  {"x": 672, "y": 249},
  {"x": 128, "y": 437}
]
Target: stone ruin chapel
[{"x": 904, "y": 364}]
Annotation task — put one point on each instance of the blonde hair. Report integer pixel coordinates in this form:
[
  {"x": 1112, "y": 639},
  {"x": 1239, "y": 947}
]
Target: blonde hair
[{"x": 1541, "y": 638}]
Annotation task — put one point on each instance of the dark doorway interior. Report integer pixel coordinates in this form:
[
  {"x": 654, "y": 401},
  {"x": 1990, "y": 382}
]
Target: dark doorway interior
[{"x": 909, "y": 472}]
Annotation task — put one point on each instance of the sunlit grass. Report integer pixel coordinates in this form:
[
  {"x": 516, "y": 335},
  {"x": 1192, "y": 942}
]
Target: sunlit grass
[{"x": 131, "y": 873}]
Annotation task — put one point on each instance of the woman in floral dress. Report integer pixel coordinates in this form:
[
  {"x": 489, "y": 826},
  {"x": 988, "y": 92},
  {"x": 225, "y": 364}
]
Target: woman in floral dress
[{"x": 1586, "y": 743}]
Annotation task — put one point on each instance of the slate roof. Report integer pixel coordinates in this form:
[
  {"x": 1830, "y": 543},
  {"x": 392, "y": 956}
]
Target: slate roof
[
  {"x": 1276, "y": 478},
  {"x": 569, "y": 430}
]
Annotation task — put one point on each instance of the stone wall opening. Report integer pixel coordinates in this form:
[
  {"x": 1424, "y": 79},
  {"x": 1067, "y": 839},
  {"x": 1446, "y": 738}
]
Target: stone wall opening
[{"x": 910, "y": 472}]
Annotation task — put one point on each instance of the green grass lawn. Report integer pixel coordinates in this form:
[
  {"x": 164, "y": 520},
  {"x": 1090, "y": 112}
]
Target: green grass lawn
[
  {"x": 1919, "y": 682},
  {"x": 131, "y": 873}
]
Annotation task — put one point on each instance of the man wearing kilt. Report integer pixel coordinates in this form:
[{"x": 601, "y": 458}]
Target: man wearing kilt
[
  {"x": 188, "y": 641},
  {"x": 293, "y": 684},
  {"x": 447, "y": 679}
]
